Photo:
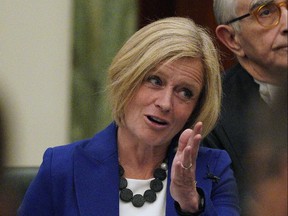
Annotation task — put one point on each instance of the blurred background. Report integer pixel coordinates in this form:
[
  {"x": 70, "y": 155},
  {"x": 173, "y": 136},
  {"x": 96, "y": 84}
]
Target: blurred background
[{"x": 54, "y": 56}]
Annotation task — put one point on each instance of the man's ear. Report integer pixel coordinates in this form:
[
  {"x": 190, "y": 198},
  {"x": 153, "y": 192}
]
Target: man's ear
[{"x": 227, "y": 35}]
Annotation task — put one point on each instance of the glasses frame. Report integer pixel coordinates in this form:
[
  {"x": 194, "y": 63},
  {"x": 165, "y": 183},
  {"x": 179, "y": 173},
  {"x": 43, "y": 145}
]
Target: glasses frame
[{"x": 255, "y": 12}]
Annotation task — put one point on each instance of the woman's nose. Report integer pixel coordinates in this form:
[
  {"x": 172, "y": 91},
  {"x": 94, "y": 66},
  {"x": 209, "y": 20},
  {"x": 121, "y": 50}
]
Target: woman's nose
[{"x": 164, "y": 100}]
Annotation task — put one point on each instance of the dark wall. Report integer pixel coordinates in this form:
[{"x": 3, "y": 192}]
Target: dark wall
[{"x": 201, "y": 11}]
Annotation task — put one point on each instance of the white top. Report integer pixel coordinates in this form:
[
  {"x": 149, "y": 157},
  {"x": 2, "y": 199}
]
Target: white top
[
  {"x": 268, "y": 92},
  {"x": 157, "y": 208}
]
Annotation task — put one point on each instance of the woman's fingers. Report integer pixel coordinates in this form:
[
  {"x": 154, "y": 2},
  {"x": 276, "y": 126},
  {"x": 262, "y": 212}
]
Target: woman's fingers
[
  {"x": 184, "y": 138},
  {"x": 187, "y": 160},
  {"x": 188, "y": 146}
]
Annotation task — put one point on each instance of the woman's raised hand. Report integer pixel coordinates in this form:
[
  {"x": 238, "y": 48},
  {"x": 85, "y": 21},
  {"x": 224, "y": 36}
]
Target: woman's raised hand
[{"x": 183, "y": 179}]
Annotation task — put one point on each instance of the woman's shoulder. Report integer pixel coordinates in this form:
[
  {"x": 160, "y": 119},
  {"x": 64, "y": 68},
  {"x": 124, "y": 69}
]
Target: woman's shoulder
[
  {"x": 106, "y": 135},
  {"x": 60, "y": 158},
  {"x": 66, "y": 150}
]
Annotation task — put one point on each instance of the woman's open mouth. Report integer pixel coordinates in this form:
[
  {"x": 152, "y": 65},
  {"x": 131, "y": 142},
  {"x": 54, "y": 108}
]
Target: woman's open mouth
[{"x": 157, "y": 120}]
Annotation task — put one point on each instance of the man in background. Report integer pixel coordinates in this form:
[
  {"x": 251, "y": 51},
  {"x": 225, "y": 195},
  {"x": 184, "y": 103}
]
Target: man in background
[{"x": 256, "y": 32}]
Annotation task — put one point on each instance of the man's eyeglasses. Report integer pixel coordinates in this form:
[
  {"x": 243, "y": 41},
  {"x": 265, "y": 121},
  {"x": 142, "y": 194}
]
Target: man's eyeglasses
[{"x": 267, "y": 15}]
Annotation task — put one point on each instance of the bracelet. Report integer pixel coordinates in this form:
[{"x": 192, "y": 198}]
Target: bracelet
[{"x": 201, "y": 205}]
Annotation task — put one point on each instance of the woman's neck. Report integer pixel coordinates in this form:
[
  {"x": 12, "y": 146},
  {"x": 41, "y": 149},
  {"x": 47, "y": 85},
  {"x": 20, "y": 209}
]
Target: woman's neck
[{"x": 139, "y": 159}]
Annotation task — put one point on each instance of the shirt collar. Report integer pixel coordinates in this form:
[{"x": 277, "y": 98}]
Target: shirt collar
[{"x": 267, "y": 91}]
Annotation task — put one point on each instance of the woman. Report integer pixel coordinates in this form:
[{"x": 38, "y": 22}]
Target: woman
[{"x": 164, "y": 81}]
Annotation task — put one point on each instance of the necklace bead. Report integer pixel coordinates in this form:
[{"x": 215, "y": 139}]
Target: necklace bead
[
  {"x": 122, "y": 183},
  {"x": 150, "y": 196},
  {"x": 160, "y": 173},
  {"x": 156, "y": 185},
  {"x": 126, "y": 195},
  {"x": 138, "y": 200},
  {"x": 164, "y": 166}
]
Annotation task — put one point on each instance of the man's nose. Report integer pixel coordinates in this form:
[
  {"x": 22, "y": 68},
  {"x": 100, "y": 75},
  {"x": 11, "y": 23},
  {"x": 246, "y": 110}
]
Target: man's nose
[{"x": 284, "y": 18}]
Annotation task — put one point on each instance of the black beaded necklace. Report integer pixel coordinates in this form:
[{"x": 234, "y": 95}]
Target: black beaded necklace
[{"x": 149, "y": 195}]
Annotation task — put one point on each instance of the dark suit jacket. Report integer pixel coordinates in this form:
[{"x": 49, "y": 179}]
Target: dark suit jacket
[
  {"x": 242, "y": 108},
  {"x": 82, "y": 179}
]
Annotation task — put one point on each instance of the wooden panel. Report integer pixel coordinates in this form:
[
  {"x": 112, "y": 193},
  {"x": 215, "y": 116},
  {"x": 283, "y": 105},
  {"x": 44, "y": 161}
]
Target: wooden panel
[
  {"x": 153, "y": 10},
  {"x": 201, "y": 11}
]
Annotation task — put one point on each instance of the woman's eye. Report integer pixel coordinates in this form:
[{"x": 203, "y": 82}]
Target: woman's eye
[
  {"x": 186, "y": 93},
  {"x": 155, "y": 80}
]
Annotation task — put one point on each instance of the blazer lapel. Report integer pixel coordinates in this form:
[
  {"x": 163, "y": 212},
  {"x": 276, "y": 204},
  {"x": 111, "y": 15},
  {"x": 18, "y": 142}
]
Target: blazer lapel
[
  {"x": 96, "y": 175},
  {"x": 170, "y": 209}
]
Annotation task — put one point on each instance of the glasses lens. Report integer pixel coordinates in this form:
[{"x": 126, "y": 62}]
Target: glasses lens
[{"x": 268, "y": 15}]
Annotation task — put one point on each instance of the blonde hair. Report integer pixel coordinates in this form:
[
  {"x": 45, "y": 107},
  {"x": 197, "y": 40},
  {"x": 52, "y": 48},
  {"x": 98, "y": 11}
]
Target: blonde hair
[{"x": 167, "y": 39}]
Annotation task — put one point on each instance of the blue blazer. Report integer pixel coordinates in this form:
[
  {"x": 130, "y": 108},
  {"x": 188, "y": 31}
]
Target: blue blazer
[{"x": 82, "y": 179}]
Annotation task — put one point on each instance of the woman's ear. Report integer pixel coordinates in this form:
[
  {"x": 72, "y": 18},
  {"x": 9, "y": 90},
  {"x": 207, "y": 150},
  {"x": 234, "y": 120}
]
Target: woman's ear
[{"x": 227, "y": 35}]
